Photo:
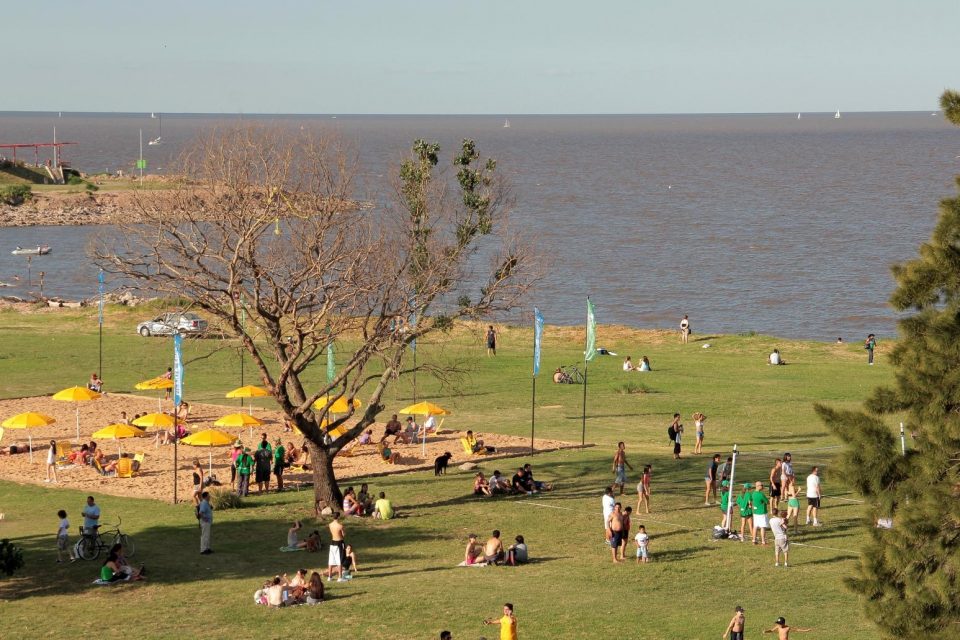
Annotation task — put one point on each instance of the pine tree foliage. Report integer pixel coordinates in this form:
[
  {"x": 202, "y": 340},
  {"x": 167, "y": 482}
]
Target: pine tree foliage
[{"x": 909, "y": 576}]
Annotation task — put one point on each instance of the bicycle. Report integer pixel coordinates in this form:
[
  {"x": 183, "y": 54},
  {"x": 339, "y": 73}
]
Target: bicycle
[
  {"x": 91, "y": 544},
  {"x": 572, "y": 374}
]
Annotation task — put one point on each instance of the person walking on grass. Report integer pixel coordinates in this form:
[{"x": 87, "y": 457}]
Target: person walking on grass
[
  {"x": 736, "y": 626},
  {"x": 685, "y": 329},
  {"x": 778, "y": 525},
  {"x": 870, "y": 344},
  {"x": 508, "y": 623},
  {"x": 675, "y": 432},
  {"x": 205, "y": 515},
  {"x": 793, "y": 505},
  {"x": 813, "y": 496},
  {"x": 758, "y": 504},
  {"x": 711, "y": 480},
  {"x": 783, "y": 630},
  {"x": 745, "y": 506},
  {"x": 619, "y": 466},
  {"x": 63, "y": 537},
  {"x": 643, "y": 489}
]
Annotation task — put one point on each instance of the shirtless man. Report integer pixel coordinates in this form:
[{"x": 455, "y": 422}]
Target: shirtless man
[
  {"x": 337, "y": 551},
  {"x": 737, "y": 623},
  {"x": 619, "y": 464},
  {"x": 493, "y": 550},
  {"x": 615, "y": 525},
  {"x": 393, "y": 428},
  {"x": 783, "y": 630}
]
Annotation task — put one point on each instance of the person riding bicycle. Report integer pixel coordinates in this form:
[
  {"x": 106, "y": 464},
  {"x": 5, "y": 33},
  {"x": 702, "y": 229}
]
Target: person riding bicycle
[{"x": 91, "y": 517}]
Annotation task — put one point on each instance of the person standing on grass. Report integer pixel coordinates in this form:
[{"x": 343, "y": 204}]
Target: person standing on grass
[
  {"x": 793, "y": 505},
  {"x": 870, "y": 344},
  {"x": 698, "y": 420},
  {"x": 625, "y": 536},
  {"x": 197, "y": 482},
  {"x": 615, "y": 525},
  {"x": 491, "y": 341},
  {"x": 746, "y": 510},
  {"x": 725, "y": 469},
  {"x": 337, "y": 549},
  {"x": 263, "y": 460},
  {"x": 607, "y": 503},
  {"x": 783, "y": 631},
  {"x": 786, "y": 470},
  {"x": 52, "y": 461},
  {"x": 619, "y": 466},
  {"x": 813, "y": 496},
  {"x": 205, "y": 513},
  {"x": 711, "y": 480},
  {"x": 91, "y": 517},
  {"x": 724, "y": 503},
  {"x": 677, "y": 430},
  {"x": 736, "y": 626},
  {"x": 63, "y": 537},
  {"x": 508, "y": 623},
  {"x": 643, "y": 541},
  {"x": 244, "y": 465},
  {"x": 685, "y": 329},
  {"x": 778, "y": 525},
  {"x": 758, "y": 503},
  {"x": 776, "y": 483},
  {"x": 643, "y": 489},
  {"x": 279, "y": 462}
]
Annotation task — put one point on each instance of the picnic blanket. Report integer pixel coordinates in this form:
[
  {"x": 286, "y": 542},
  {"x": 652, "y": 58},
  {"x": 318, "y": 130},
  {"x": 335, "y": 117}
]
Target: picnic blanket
[
  {"x": 104, "y": 583},
  {"x": 291, "y": 549}
]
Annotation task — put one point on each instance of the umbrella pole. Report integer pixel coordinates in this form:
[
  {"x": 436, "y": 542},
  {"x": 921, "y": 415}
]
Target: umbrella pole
[
  {"x": 78, "y": 423},
  {"x": 210, "y": 468},
  {"x": 30, "y": 446},
  {"x": 159, "y": 406}
]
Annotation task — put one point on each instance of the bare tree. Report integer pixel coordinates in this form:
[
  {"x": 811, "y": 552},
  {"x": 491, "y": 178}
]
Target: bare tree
[{"x": 270, "y": 225}]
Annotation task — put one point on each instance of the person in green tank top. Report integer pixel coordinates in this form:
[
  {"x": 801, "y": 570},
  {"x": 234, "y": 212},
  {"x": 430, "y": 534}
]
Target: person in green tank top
[
  {"x": 279, "y": 463},
  {"x": 793, "y": 505},
  {"x": 724, "y": 503},
  {"x": 746, "y": 510}
]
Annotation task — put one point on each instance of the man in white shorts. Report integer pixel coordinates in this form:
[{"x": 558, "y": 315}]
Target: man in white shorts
[{"x": 335, "y": 559}]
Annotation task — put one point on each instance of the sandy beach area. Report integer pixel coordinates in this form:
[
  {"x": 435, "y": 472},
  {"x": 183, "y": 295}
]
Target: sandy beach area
[{"x": 155, "y": 480}]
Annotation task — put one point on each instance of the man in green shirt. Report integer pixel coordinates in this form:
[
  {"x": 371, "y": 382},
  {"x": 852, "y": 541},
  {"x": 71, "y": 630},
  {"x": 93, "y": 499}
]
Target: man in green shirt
[
  {"x": 279, "y": 463},
  {"x": 724, "y": 503},
  {"x": 244, "y": 466},
  {"x": 758, "y": 503},
  {"x": 383, "y": 508}
]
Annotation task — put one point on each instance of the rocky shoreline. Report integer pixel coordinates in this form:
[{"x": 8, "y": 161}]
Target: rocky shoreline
[{"x": 65, "y": 209}]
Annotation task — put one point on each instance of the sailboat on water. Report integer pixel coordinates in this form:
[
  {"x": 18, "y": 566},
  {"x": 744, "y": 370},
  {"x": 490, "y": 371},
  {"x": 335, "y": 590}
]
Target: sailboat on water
[
  {"x": 836, "y": 116},
  {"x": 506, "y": 124},
  {"x": 798, "y": 115},
  {"x": 159, "y": 138}
]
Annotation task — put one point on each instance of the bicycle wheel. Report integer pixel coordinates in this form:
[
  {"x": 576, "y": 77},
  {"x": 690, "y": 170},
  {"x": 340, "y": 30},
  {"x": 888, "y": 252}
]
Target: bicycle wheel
[
  {"x": 87, "y": 548},
  {"x": 126, "y": 544}
]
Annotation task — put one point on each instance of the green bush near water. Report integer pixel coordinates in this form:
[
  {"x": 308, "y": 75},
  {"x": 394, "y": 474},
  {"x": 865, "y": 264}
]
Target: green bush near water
[{"x": 15, "y": 194}]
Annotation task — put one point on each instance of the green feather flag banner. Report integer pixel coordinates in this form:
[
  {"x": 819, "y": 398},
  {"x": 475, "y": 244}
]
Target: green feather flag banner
[
  {"x": 331, "y": 367},
  {"x": 591, "y": 350}
]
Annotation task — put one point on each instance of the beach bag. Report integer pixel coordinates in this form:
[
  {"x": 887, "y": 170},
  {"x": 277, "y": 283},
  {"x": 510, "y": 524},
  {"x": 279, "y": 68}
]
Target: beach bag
[{"x": 671, "y": 433}]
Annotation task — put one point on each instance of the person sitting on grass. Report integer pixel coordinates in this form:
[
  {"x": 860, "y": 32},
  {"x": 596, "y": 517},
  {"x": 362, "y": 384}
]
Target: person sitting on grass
[
  {"x": 473, "y": 554},
  {"x": 293, "y": 534},
  {"x": 517, "y": 553},
  {"x": 315, "y": 589},
  {"x": 123, "y": 565},
  {"x": 493, "y": 550},
  {"x": 644, "y": 364},
  {"x": 387, "y": 454},
  {"x": 383, "y": 508},
  {"x": 775, "y": 357},
  {"x": 312, "y": 543},
  {"x": 539, "y": 486},
  {"x": 349, "y": 563},
  {"x": 522, "y": 484},
  {"x": 499, "y": 484},
  {"x": 628, "y": 364},
  {"x": 350, "y": 505},
  {"x": 95, "y": 383},
  {"x": 480, "y": 485},
  {"x": 365, "y": 499},
  {"x": 275, "y": 592}
]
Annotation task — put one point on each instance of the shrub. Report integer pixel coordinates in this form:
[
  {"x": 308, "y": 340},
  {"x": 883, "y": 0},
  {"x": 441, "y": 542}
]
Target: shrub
[
  {"x": 15, "y": 194},
  {"x": 630, "y": 388},
  {"x": 11, "y": 557},
  {"x": 92, "y": 187},
  {"x": 75, "y": 179},
  {"x": 224, "y": 498}
]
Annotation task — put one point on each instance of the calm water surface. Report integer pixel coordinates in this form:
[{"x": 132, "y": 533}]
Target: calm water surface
[{"x": 747, "y": 222}]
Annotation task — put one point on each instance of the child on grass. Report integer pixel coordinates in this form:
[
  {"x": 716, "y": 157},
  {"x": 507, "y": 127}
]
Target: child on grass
[
  {"x": 643, "y": 541},
  {"x": 63, "y": 536}
]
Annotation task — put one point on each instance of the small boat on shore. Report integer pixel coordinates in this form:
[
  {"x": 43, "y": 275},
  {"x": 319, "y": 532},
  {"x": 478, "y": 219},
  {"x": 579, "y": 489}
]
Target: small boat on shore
[{"x": 39, "y": 250}]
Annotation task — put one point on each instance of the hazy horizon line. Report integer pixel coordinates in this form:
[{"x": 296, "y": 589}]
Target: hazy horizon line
[{"x": 242, "y": 114}]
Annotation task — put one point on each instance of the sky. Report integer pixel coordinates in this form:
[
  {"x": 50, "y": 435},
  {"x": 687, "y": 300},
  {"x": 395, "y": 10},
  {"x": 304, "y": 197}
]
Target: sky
[{"x": 495, "y": 56}]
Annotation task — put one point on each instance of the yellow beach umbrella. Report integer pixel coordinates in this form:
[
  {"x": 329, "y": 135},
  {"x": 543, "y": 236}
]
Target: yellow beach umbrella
[
  {"x": 78, "y": 395},
  {"x": 239, "y": 420},
  {"x": 339, "y": 405},
  {"x": 155, "y": 384},
  {"x": 249, "y": 391},
  {"x": 155, "y": 421},
  {"x": 425, "y": 409},
  {"x": 29, "y": 420},
  {"x": 118, "y": 432},
  {"x": 209, "y": 438}
]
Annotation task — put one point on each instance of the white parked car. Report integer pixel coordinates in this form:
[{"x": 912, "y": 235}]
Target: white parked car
[{"x": 168, "y": 324}]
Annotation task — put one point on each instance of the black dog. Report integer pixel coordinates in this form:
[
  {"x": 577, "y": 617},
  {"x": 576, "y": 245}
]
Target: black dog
[{"x": 440, "y": 464}]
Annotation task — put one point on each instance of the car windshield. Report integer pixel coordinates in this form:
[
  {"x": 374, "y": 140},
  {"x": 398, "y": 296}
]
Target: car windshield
[{"x": 190, "y": 316}]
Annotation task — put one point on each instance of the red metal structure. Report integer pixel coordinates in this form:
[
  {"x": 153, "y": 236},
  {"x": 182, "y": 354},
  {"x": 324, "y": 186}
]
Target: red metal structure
[{"x": 36, "y": 150}]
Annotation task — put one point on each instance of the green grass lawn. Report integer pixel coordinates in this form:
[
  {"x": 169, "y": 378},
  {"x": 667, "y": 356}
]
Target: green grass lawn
[{"x": 408, "y": 586}]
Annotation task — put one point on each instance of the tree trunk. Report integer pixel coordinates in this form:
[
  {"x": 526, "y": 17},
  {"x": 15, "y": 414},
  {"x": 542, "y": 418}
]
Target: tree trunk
[{"x": 326, "y": 492}]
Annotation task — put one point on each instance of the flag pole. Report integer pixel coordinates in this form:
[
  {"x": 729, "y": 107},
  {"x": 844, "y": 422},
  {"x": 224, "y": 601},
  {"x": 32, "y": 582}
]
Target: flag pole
[
  {"x": 533, "y": 411},
  {"x": 537, "y": 332},
  {"x": 583, "y": 430}
]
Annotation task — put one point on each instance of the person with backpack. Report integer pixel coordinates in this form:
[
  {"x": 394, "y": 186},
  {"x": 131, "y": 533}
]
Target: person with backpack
[
  {"x": 244, "y": 465},
  {"x": 870, "y": 344},
  {"x": 675, "y": 433}
]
